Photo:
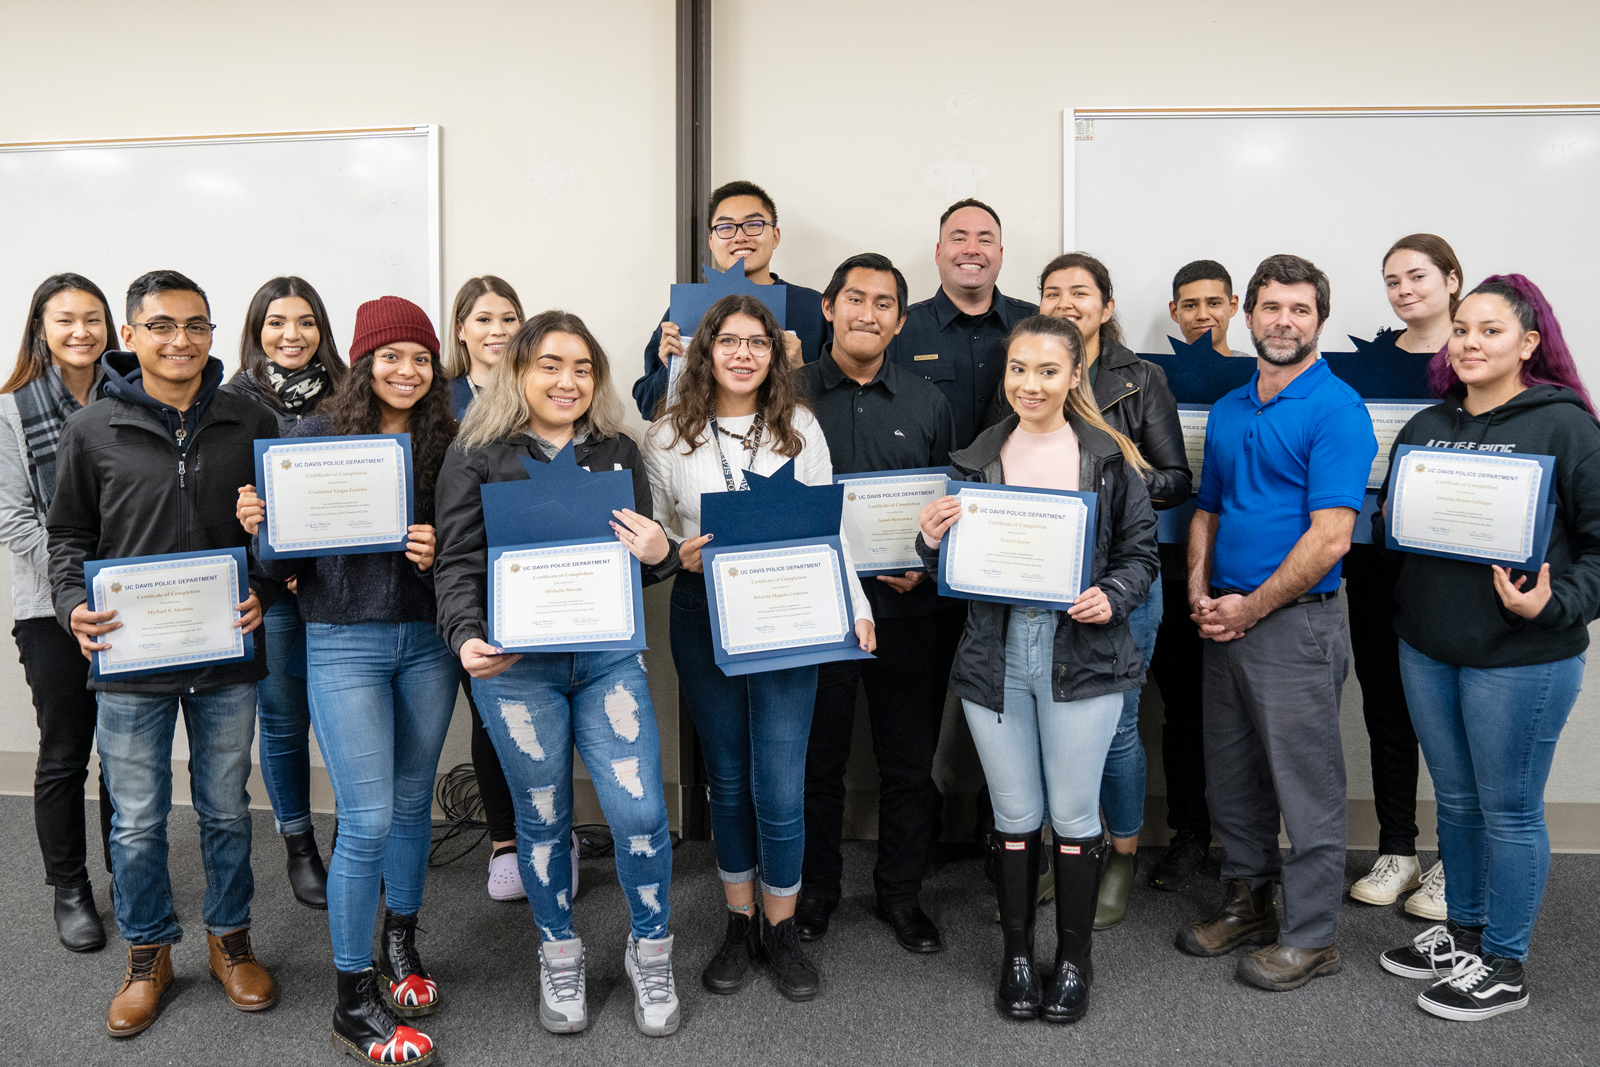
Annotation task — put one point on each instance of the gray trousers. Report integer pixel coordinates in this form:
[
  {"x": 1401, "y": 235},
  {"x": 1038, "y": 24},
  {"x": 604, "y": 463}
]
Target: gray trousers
[{"x": 1272, "y": 745}]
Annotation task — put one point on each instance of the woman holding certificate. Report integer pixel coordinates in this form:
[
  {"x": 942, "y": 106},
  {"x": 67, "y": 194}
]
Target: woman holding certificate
[
  {"x": 1492, "y": 660},
  {"x": 382, "y": 686},
  {"x": 288, "y": 363},
  {"x": 1043, "y": 689},
  {"x": 552, "y": 390},
  {"x": 736, "y": 410}
]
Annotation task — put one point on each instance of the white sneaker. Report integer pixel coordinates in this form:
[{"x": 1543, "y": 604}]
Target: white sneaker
[
  {"x": 505, "y": 876},
  {"x": 1428, "y": 902},
  {"x": 1389, "y": 877},
  {"x": 655, "y": 996},
  {"x": 562, "y": 1009}
]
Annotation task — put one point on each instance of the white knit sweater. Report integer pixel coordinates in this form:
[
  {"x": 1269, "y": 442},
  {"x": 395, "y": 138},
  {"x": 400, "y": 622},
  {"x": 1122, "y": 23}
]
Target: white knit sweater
[{"x": 678, "y": 478}]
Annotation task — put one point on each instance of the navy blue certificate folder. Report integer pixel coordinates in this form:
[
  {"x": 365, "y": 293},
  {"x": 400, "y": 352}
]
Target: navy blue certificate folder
[{"x": 691, "y": 300}]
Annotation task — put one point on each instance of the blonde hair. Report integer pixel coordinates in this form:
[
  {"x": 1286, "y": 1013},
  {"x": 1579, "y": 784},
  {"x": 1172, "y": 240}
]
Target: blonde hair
[
  {"x": 457, "y": 360},
  {"x": 501, "y": 411},
  {"x": 1080, "y": 399}
]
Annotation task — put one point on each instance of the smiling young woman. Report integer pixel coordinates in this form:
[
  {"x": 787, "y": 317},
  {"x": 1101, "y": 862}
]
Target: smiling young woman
[{"x": 486, "y": 313}]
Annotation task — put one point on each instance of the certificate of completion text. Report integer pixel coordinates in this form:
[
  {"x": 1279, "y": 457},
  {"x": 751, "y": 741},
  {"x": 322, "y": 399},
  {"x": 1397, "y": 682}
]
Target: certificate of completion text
[
  {"x": 176, "y": 614},
  {"x": 563, "y": 594},
  {"x": 880, "y": 518},
  {"x": 1473, "y": 503}
]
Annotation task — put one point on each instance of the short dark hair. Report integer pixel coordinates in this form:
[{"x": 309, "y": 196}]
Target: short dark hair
[
  {"x": 738, "y": 188},
  {"x": 1202, "y": 270},
  {"x": 1286, "y": 269},
  {"x": 161, "y": 281},
  {"x": 969, "y": 202},
  {"x": 866, "y": 261}
]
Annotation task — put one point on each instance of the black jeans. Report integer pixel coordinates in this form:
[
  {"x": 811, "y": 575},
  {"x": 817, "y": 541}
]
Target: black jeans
[
  {"x": 1176, "y": 667},
  {"x": 905, "y": 699},
  {"x": 58, "y": 676},
  {"x": 1370, "y": 578},
  {"x": 492, "y": 787}
]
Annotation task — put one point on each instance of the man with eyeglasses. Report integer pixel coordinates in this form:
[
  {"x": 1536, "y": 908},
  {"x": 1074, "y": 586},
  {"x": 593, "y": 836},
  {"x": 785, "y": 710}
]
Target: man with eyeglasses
[
  {"x": 151, "y": 469},
  {"x": 742, "y": 223}
]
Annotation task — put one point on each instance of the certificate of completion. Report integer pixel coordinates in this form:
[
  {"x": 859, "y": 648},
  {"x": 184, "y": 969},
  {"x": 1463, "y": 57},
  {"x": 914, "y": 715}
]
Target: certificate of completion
[
  {"x": 880, "y": 516},
  {"x": 1014, "y": 545},
  {"x": 1389, "y": 417},
  {"x": 332, "y": 495},
  {"x": 562, "y": 595},
  {"x": 1486, "y": 505},
  {"x": 177, "y": 612},
  {"x": 779, "y": 598},
  {"x": 1193, "y": 419}
]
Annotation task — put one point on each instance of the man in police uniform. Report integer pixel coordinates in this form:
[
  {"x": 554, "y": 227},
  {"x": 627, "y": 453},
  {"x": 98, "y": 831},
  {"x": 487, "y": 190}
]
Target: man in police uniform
[{"x": 877, "y": 416}]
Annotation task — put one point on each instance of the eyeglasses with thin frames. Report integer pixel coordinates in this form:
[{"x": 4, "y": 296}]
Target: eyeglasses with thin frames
[
  {"x": 167, "y": 332},
  {"x": 728, "y": 344}
]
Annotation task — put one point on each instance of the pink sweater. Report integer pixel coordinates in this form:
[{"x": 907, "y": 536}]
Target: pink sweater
[{"x": 1041, "y": 460}]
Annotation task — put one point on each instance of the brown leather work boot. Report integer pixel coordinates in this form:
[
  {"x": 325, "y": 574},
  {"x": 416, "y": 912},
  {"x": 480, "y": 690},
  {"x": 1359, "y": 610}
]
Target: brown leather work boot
[
  {"x": 1247, "y": 917},
  {"x": 149, "y": 977},
  {"x": 1281, "y": 968},
  {"x": 233, "y": 963}
]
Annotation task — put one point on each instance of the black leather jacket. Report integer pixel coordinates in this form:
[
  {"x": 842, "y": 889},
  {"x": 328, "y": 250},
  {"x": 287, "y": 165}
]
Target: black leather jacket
[{"x": 1136, "y": 402}]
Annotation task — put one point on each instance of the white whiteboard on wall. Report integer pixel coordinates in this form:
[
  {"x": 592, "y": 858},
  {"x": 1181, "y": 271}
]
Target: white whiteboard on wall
[
  {"x": 1511, "y": 189},
  {"x": 354, "y": 212}
]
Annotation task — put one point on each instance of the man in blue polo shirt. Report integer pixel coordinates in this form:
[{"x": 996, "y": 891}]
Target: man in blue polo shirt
[{"x": 1287, "y": 458}]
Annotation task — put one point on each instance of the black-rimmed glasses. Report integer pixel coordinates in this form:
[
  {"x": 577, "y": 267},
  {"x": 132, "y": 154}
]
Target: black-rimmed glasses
[
  {"x": 751, "y": 228},
  {"x": 167, "y": 332}
]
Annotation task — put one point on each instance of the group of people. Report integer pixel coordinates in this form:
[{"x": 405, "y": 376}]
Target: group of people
[{"x": 147, "y": 450}]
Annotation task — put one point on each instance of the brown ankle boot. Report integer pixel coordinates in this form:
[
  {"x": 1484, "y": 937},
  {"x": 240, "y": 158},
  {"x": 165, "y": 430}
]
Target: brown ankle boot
[
  {"x": 1247, "y": 917},
  {"x": 233, "y": 963},
  {"x": 149, "y": 976}
]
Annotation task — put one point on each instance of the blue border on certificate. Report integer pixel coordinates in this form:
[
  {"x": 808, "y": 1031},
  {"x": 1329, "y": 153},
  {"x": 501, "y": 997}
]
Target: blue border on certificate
[
  {"x": 333, "y": 546},
  {"x": 632, "y": 640},
  {"x": 997, "y": 594},
  {"x": 1416, "y": 407},
  {"x": 1536, "y": 523},
  {"x": 791, "y": 653},
  {"x": 244, "y": 646},
  {"x": 912, "y": 562}
]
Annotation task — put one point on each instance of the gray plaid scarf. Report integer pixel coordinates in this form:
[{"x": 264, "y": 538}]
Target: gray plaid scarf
[{"x": 44, "y": 405}]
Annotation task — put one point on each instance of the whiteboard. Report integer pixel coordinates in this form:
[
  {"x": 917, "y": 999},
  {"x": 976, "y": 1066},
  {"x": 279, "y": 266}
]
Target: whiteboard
[
  {"x": 1511, "y": 189},
  {"x": 354, "y": 212}
]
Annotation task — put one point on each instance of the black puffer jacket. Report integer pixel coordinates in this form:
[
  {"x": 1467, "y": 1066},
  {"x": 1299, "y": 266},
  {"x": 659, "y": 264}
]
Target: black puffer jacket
[
  {"x": 1136, "y": 401},
  {"x": 1090, "y": 660},
  {"x": 461, "y": 571}
]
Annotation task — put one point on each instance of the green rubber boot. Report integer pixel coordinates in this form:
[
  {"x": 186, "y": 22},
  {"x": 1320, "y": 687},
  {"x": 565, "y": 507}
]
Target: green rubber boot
[{"x": 1115, "y": 884}]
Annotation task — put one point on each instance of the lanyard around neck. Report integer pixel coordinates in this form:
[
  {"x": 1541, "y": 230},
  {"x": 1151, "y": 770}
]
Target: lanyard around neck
[{"x": 751, "y": 442}]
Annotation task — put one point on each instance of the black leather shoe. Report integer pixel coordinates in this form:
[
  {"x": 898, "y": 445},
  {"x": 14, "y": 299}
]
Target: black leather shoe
[
  {"x": 811, "y": 917},
  {"x": 308, "y": 878},
  {"x": 1185, "y": 857},
  {"x": 77, "y": 921},
  {"x": 729, "y": 970},
  {"x": 912, "y": 928},
  {"x": 792, "y": 972}
]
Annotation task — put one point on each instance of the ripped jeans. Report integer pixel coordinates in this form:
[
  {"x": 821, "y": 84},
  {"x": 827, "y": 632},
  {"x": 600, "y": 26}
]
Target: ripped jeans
[{"x": 535, "y": 712}]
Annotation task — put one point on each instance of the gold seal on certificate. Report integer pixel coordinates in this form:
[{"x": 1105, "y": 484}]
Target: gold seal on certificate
[
  {"x": 176, "y": 612},
  {"x": 327, "y": 495},
  {"x": 1014, "y": 545},
  {"x": 1480, "y": 504},
  {"x": 562, "y": 595},
  {"x": 880, "y": 516}
]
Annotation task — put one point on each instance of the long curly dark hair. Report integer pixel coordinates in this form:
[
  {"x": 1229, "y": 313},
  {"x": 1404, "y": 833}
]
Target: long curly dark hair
[
  {"x": 354, "y": 409},
  {"x": 696, "y": 400}
]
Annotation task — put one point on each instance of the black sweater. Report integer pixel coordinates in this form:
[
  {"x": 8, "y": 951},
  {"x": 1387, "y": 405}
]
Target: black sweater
[
  {"x": 368, "y": 587},
  {"x": 1449, "y": 610}
]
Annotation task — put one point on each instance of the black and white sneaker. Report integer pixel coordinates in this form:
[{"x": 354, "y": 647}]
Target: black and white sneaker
[
  {"x": 1480, "y": 987},
  {"x": 1433, "y": 953}
]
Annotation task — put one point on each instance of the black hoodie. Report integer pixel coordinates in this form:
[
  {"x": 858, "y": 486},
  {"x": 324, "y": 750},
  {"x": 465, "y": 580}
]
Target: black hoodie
[{"x": 1449, "y": 610}]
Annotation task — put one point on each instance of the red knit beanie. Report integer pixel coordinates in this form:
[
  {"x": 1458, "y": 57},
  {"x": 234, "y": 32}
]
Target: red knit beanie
[{"x": 389, "y": 319}]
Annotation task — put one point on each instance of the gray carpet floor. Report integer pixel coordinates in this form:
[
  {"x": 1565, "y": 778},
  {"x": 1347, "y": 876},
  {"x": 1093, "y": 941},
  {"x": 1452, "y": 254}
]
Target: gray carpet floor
[{"x": 880, "y": 1005}]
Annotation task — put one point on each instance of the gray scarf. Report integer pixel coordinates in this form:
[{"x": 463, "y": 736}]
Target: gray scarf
[{"x": 44, "y": 405}]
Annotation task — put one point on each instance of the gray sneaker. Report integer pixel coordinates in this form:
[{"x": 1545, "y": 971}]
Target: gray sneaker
[
  {"x": 561, "y": 1002},
  {"x": 648, "y": 962}
]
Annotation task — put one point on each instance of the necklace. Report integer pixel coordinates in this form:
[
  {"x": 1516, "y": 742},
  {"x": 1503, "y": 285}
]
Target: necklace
[{"x": 751, "y": 441}]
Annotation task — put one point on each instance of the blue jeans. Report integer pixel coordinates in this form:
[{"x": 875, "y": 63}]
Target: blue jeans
[
  {"x": 134, "y": 735},
  {"x": 1122, "y": 787},
  {"x": 1038, "y": 750},
  {"x": 381, "y": 697},
  {"x": 1489, "y": 736},
  {"x": 285, "y": 719},
  {"x": 535, "y": 711},
  {"x": 753, "y": 732}
]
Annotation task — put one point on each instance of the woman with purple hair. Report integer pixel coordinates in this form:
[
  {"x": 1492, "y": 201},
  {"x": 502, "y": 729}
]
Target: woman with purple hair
[{"x": 1492, "y": 661}]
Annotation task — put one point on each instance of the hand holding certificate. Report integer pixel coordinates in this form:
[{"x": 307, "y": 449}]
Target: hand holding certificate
[
  {"x": 1017, "y": 545},
  {"x": 1482, "y": 507},
  {"x": 171, "y": 612},
  {"x": 328, "y": 496}
]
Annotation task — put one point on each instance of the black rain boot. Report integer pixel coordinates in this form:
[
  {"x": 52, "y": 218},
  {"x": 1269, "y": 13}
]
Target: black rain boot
[
  {"x": 308, "y": 878},
  {"x": 1016, "y": 866},
  {"x": 1078, "y": 867},
  {"x": 411, "y": 990},
  {"x": 364, "y": 1027}
]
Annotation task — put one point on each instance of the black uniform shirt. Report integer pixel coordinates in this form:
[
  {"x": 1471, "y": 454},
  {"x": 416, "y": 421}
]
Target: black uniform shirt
[
  {"x": 896, "y": 421},
  {"x": 964, "y": 355}
]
